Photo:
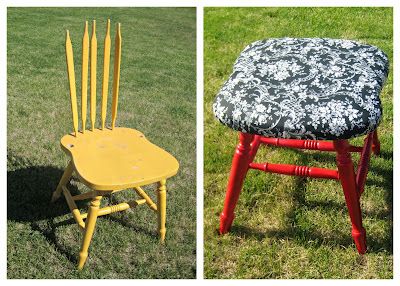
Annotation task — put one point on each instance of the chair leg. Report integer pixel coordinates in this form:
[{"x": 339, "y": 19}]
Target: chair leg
[
  {"x": 162, "y": 208},
  {"x": 376, "y": 145},
  {"x": 90, "y": 224},
  {"x": 64, "y": 180},
  {"x": 240, "y": 166},
  {"x": 255, "y": 144},
  {"x": 363, "y": 164},
  {"x": 348, "y": 180}
]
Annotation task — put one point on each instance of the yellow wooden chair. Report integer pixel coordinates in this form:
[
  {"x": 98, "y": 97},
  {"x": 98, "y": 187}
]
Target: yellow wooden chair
[{"x": 108, "y": 159}]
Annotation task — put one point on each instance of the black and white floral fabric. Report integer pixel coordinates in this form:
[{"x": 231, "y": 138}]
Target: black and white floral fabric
[{"x": 304, "y": 88}]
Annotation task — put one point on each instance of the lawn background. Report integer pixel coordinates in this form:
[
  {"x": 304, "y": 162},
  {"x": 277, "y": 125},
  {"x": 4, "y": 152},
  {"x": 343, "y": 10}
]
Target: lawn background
[
  {"x": 157, "y": 97},
  {"x": 292, "y": 227}
]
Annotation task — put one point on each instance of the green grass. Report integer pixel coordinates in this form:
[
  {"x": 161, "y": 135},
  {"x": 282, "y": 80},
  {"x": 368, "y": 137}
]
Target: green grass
[
  {"x": 290, "y": 227},
  {"x": 157, "y": 97}
]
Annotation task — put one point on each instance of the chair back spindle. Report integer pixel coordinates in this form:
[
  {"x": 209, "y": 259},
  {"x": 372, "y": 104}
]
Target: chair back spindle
[
  {"x": 89, "y": 51},
  {"x": 117, "y": 66},
  {"x": 85, "y": 68},
  {"x": 93, "y": 66},
  {"x": 71, "y": 79},
  {"x": 106, "y": 71}
]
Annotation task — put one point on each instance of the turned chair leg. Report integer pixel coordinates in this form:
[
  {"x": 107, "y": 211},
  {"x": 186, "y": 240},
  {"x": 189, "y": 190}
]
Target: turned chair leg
[
  {"x": 64, "y": 180},
  {"x": 90, "y": 225},
  {"x": 376, "y": 145},
  {"x": 348, "y": 181},
  {"x": 240, "y": 166},
  {"x": 162, "y": 208}
]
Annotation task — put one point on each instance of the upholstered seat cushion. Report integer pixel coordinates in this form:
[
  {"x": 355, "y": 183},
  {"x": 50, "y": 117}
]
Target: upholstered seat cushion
[{"x": 308, "y": 88}]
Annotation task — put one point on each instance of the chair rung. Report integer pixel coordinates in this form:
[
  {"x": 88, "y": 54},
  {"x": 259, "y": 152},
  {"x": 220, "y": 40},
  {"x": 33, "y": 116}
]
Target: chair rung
[
  {"x": 147, "y": 199},
  {"x": 84, "y": 196},
  {"x": 117, "y": 208},
  {"x": 294, "y": 170},
  {"x": 305, "y": 144}
]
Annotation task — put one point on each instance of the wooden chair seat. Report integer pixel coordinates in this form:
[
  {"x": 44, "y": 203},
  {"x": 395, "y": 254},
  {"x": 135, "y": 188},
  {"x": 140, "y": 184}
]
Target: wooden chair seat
[{"x": 117, "y": 159}]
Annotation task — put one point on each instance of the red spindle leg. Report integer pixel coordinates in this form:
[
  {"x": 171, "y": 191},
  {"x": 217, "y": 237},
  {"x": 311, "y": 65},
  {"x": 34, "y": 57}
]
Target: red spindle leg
[
  {"x": 240, "y": 166},
  {"x": 363, "y": 164},
  {"x": 348, "y": 180},
  {"x": 254, "y": 147},
  {"x": 376, "y": 145}
]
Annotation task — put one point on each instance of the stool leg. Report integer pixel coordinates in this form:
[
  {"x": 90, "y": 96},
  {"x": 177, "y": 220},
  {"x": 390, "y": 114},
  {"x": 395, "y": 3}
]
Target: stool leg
[
  {"x": 376, "y": 145},
  {"x": 255, "y": 144},
  {"x": 240, "y": 165},
  {"x": 363, "y": 164},
  {"x": 90, "y": 224},
  {"x": 162, "y": 208},
  {"x": 348, "y": 180}
]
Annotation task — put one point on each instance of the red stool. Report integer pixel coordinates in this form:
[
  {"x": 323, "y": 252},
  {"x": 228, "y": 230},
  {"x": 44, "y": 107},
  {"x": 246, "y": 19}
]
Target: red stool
[
  {"x": 265, "y": 94},
  {"x": 352, "y": 182}
]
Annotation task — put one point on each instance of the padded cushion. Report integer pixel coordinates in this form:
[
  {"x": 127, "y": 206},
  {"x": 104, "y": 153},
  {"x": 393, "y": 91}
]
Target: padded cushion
[{"x": 308, "y": 88}]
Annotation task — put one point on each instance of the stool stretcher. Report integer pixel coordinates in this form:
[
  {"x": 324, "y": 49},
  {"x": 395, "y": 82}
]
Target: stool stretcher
[
  {"x": 294, "y": 170},
  {"x": 319, "y": 145}
]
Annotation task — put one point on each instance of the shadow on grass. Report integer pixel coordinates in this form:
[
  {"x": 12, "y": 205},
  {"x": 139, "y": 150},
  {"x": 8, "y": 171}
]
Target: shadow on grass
[
  {"x": 126, "y": 224},
  {"x": 302, "y": 235},
  {"x": 29, "y": 191}
]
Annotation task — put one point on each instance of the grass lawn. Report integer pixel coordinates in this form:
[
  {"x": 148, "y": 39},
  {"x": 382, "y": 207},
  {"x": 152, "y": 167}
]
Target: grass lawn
[
  {"x": 291, "y": 227},
  {"x": 157, "y": 97}
]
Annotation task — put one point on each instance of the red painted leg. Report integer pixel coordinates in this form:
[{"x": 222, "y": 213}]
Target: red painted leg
[
  {"x": 348, "y": 180},
  {"x": 240, "y": 165},
  {"x": 254, "y": 147},
  {"x": 376, "y": 145},
  {"x": 364, "y": 163}
]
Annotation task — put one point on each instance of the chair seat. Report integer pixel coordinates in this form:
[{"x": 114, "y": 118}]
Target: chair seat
[
  {"x": 117, "y": 159},
  {"x": 308, "y": 88}
]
